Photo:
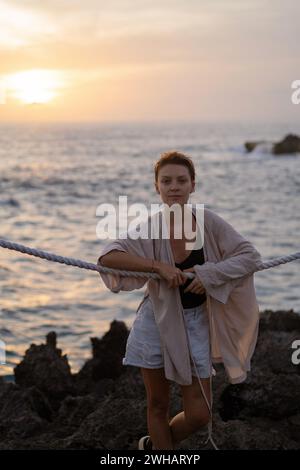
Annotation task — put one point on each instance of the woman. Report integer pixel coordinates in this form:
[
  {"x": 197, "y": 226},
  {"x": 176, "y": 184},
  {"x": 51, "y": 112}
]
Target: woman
[{"x": 184, "y": 325}]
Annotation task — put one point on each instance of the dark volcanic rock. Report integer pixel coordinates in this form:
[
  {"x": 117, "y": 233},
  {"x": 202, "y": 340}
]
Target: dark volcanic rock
[
  {"x": 23, "y": 413},
  {"x": 290, "y": 144},
  {"x": 251, "y": 145},
  {"x": 45, "y": 368},
  {"x": 104, "y": 405},
  {"x": 270, "y": 397},
  {"x": 106, "y": 362},
  {"x": 253, "y": 399}
]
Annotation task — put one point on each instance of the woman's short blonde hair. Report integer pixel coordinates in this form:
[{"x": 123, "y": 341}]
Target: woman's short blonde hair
[{"x": 174, "y": 157}]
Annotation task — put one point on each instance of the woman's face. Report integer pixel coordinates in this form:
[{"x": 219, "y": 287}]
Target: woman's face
[{"x": 174, "y": 184}]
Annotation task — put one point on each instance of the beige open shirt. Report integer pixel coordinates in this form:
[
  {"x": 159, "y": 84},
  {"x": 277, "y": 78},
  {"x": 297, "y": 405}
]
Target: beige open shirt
[{"x": 227, "y": 275}]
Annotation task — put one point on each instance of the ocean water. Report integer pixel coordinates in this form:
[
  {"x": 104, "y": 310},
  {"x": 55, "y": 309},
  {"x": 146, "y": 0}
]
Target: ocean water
[{"x": 53, "y": 177}]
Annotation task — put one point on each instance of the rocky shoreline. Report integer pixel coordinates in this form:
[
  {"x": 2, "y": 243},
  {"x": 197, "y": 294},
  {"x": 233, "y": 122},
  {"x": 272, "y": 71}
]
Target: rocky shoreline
[
  {"x": 290, "y": 144},
  {"x": 103, "y": 406}
]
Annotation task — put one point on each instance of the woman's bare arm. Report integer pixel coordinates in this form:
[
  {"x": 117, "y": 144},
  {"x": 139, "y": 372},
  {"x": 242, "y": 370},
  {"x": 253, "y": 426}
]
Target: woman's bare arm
[{"x": 121, "y": 260}]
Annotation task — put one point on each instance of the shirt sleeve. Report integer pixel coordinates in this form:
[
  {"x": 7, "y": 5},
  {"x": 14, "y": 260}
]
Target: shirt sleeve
[
  {"x": 136, "y": 247},
  {"x": 240, "y": 259}
]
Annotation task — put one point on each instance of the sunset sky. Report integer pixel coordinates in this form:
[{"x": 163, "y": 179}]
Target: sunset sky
[{"x": 121, "y": 60}]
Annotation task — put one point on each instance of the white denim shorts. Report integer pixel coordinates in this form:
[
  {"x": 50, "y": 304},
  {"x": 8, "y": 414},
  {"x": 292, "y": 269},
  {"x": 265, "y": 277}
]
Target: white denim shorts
[{"x": 143, "y": 348}]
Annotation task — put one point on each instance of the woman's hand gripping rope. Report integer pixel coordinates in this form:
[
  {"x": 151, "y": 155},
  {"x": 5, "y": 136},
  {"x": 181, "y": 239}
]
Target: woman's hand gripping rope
[{"x": 196, "y": 286}]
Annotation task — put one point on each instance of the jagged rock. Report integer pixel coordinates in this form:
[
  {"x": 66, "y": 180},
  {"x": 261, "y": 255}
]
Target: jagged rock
[
  {"x": 106, "y": 363},
  {"x": 253, "y": 399},
  {"x": 251, "y": 145},
  {"x": 114, "y": 425},
  {"x": 46, "y": 368},
  {"x": 280, "y": 320},
  {"x": 23, "y": 413},
  {"x": 108, "y": 408},
  {"x": 272, "y": 389},
  {"x": 74, "y": 410},
  {"x": 252, "y": 434},
  {"x": 290, "y": 144}
]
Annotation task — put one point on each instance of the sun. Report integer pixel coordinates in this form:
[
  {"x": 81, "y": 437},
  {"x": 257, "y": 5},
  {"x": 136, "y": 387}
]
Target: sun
[{"x": 35, "y": 86}]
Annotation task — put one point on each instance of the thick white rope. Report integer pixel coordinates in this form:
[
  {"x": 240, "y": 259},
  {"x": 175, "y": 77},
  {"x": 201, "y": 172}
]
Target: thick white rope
[{"x": 96, "y": 267}]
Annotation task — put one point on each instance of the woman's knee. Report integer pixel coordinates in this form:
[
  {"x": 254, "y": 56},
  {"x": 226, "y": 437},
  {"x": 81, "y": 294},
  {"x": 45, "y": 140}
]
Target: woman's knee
[
  {"x": 158, "y": 406},
  {"x": 157, "y": 387},
  {"x": 197, "y": 419}
]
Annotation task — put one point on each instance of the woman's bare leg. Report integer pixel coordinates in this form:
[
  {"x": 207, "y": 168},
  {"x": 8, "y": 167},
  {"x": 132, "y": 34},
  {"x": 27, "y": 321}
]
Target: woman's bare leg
[
  {"x": 158, "y": 388},
  {"x": 195, "y": 414}
]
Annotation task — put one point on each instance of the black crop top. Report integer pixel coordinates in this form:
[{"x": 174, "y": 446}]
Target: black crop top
[{"x": 189, "y": 299}]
